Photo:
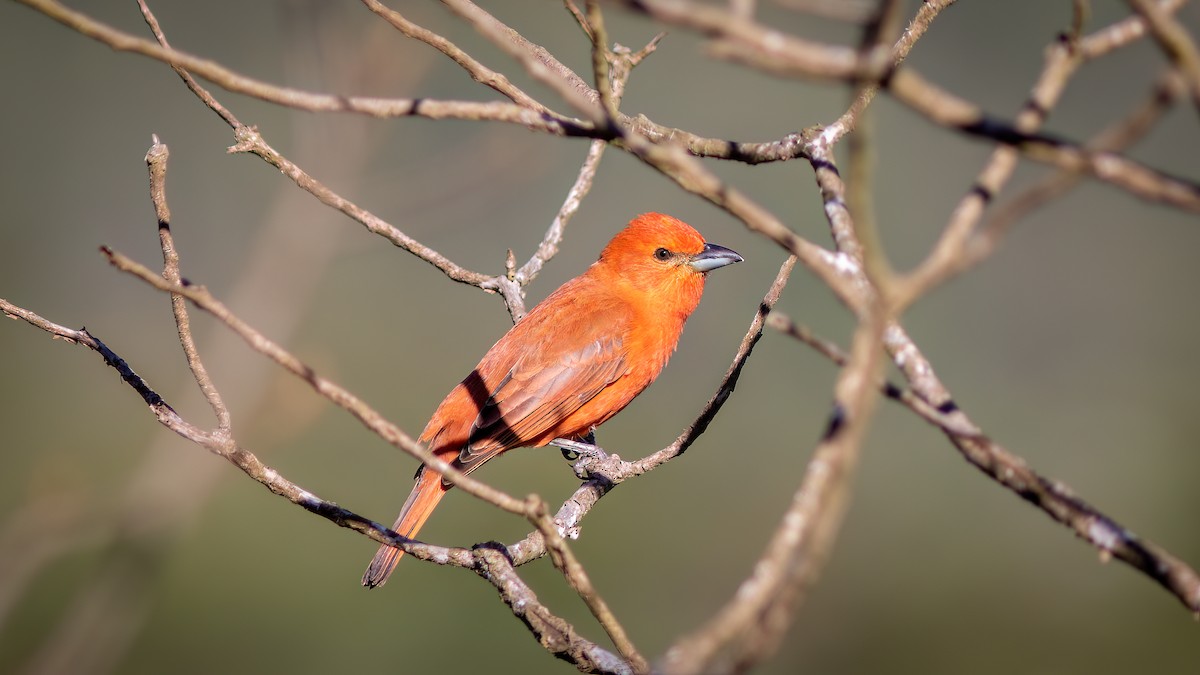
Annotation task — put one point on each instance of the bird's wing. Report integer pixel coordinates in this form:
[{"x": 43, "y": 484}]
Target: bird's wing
[{"x": 545, "y": 386}]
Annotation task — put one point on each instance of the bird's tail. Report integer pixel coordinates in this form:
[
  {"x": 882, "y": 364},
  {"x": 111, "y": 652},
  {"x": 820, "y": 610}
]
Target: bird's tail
[{"x": 425, "y": 495}]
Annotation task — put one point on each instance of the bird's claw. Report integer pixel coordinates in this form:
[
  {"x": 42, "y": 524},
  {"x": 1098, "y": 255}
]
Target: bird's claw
[
  {"x": 573, "y": 449},
  {"x": 583, "y": 454}
]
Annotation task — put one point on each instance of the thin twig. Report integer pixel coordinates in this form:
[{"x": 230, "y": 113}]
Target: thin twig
[
  {"x": 691, "y": 175},
  {"x": 548, "y": 248},
  {"x": 251, "y": 141},
  {"x": 498, "y": 111},
  {"x": 781, "y": 149},
  {"x": 564, "y": 559},
  {"x": 1061, "y": 62},
  {"x": 802, "y": 57},
  {"x": 1175, "y": 41},
  {"x": 478, "y": 72},
  {"x": 200, "y": 92},
  {"x": 539, "y": 63},
  {"x": 752, "y": 623},
  {"x": 946, "y": 109},
  {"x": 964, "y": 246},
  {"x": 601, "y": 55},
  {"x": 552, "y": 632},
  {"x": 758, "y": 46},
  {"x": 1117, "y": 137},
  {"x": 223, "y": 447},
  {"x": 729, "y": 382},
  {"x": 365, "y": 414},
  {"x": 1121, "y": 33},
  {"x": 156, "y": 162},
  {"x": 1050, "y": 495},
  {"x": 882, "y": 60},
  {"x": 495, "y": 567},
  {"x": 83, "y": 337},
  {"x": 1012, "y": 472}
]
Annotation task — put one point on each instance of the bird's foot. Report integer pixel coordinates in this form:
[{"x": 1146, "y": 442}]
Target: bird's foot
[
  {"x": 583, "y": 454},
  {"x": 574, "y": 449}
]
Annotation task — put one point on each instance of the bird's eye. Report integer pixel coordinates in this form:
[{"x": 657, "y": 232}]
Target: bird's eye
[{"x": 662, "y": 254}]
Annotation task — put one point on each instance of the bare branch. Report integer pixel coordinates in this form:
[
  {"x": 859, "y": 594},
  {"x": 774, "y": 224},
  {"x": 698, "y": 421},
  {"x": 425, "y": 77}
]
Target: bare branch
[
  {"x": 220, "y": 446},
  {"x": 1062, "y": 60},
  {"x": 986, "y": 239},
  {"x": 753, "y": 153},
  {"x": 478, "y": 72},
  {"x": 564, "y": 559},
  {"x": 757, "y": 46},
  {"x": 881, "y": 60},
  {"x": 753, "y": 42},
  {"x": 1174, "y": 40},
  {"x": 188, "y": 80},
  {"x": 948, "y": 110},
  {"x": 849, "y": 11},
  {"x": 1121, "y": 33},
  {"x": 729, "y": 382},
  {"x": 624, "y": 63},
  {"x": 552, "y": 632},
  {"x": 600, "y": 69},
  {"x": 539, "y": 63},
  {"x": 251, "y": 141},
  {"x": 1050, "y": 495},
  {"x": 365, "y": 414},
  {"x": 751, "y": 625},
  {"x": 548, "y": 248},
  {"x": 156, "y": 161},
  {"x": 304, "y": 100}
]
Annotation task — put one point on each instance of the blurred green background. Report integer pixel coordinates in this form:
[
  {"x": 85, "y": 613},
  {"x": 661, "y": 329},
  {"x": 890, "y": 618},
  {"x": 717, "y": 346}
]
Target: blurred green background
[{"x": 126, "y": 549}]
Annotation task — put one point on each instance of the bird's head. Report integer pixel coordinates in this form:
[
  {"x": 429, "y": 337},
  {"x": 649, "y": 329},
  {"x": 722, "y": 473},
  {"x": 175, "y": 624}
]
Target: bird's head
[{"x": 664, "y": 258}]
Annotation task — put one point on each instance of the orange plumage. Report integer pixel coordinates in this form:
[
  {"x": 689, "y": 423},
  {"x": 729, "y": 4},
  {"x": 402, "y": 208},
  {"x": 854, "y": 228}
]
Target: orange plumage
[{"x": 572, "y": 363}]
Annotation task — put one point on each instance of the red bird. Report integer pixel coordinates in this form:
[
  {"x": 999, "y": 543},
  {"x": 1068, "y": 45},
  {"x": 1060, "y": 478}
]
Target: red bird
[{"x": 572, "y": 363}]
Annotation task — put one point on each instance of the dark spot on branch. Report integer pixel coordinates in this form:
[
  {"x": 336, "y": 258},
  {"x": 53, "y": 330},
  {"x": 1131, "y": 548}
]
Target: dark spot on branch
[
  {"x": 837, "y": 420},
  {"x": 494, "y": 546},
  {"x": 737, "y": 153},
  {"x": 885, "y": 78},
  {"x": 982, "y": 192},
  {"x": 992, "y": 129},
  {"x": 948, "y": 406},
  {"x": 1036, "y": 106},
  {"x": 572, "y": 130},
  {"x": 819, "y": 163},
  {"x": 1005, "y": 133}
]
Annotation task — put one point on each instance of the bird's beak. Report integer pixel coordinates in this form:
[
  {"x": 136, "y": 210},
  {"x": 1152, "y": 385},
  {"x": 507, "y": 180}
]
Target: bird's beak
[{"x": 712, "y": 257}]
